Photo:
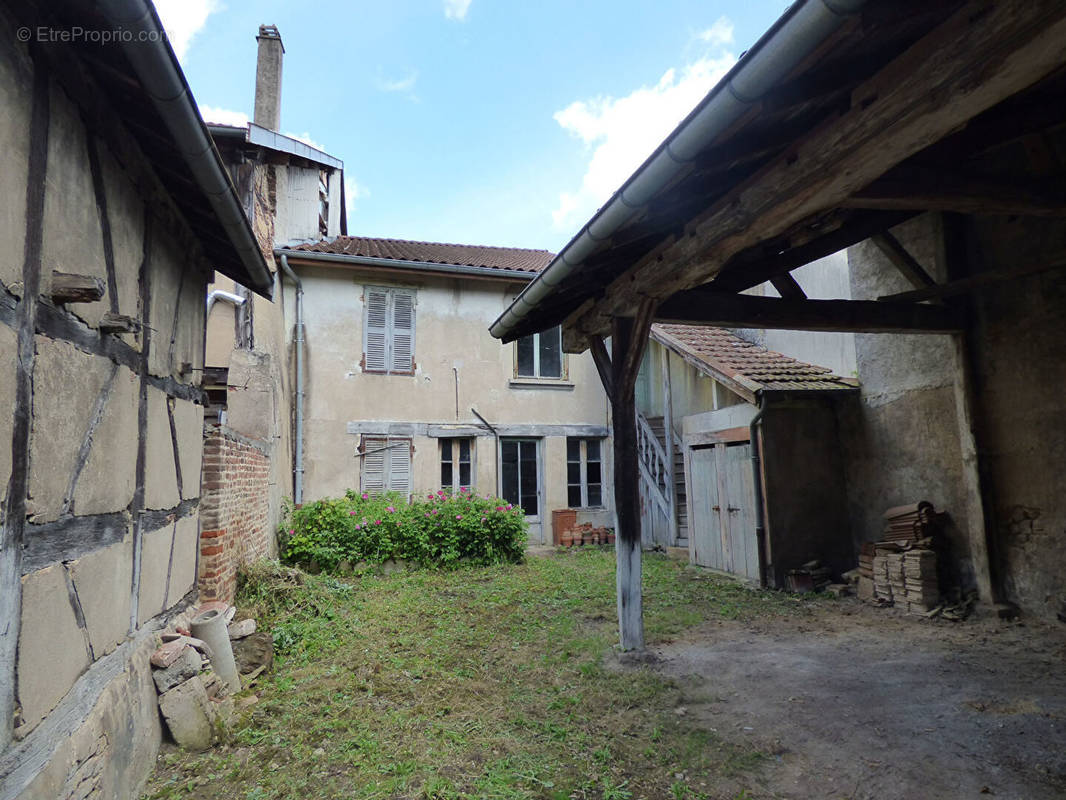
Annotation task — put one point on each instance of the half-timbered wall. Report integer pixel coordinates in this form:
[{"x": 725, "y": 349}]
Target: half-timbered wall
[{"x": 100, "y": 461}]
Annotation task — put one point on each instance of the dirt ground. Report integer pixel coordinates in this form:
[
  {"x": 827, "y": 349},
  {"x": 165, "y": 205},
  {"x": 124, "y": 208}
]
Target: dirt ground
[{"x": 859, "y": 702}]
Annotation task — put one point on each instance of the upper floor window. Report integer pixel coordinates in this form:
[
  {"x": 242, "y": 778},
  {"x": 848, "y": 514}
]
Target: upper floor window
[
  {"x": 389, "y": 331},
  {"x": 540, "y": 355}
]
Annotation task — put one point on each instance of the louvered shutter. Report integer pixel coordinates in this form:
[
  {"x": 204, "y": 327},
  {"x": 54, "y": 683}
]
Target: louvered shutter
[
  {"x": 403, "y": 332},
  {"x": 375, "y": 331},
  {"x": 400, "y": 466},
  {"x": 375, "y": 461}
]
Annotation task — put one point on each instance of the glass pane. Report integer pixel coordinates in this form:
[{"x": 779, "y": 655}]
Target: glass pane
[
  {"x": 595, "y": 495},
  {"x": 573, "y": 472},
  {"x": 464, "y": 474},
  {"x": 593, "y": 448},
  {"x": 573, "y": 496},
  {"x": 551, "y": 354},
  {"x": 573, "y": 449},
  {"x": 464, "y": 450},
  {"x": 446, "y": 475},
  {"x": 525, "y": 357},
  {"x": 509, "y": 471},
  {"x": 529, "y": 505},
  {"x": 593, "y": 472},
  {"x": 445, "y": 449}
]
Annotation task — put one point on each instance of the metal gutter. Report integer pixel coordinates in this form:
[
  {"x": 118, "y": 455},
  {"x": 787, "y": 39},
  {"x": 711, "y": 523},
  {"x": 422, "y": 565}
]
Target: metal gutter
[
  {"x": 157, "y": 69},
  {"x": 413, "y": 266},
  {"x": 799, "y": 31}
]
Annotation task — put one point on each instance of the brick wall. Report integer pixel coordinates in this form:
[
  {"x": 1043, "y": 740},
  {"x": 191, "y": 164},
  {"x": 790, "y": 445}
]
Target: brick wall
[{"x": 234, "y": 510}]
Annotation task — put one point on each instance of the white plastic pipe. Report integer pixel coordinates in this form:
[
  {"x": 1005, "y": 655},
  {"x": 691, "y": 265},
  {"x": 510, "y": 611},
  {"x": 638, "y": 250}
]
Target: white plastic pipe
[{"x": 211, "y": 626}]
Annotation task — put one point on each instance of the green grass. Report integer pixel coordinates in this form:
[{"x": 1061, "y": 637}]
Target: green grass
[{"x": 479, "y": 682}]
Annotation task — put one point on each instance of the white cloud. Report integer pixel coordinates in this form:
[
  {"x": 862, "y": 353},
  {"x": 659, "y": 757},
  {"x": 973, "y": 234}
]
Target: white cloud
[
  {"x": 305, "y": 137},
  {"x": 353, "y": 192},
  {"x": 183, "y": 19},
  {"x": 456, "y": 9},
  {"x": 405, "y": 84},
  {"x": 224, "y": 116},
  {"x": 720, "y": 33},
  {"x": 620, "y": 133}
]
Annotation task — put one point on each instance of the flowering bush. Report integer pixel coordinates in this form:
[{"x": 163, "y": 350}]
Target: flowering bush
[{"x": 437, "y": 529}]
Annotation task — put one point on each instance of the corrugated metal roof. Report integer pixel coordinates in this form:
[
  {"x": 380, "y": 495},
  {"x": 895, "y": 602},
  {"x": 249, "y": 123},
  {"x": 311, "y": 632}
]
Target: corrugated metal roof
[
  {"x": 737, "y": 359},
  {"x": 512, "y": 259}
]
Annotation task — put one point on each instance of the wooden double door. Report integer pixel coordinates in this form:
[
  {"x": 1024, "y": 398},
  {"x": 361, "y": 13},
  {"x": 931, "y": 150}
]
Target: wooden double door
[{"x": 721, "y": 494}]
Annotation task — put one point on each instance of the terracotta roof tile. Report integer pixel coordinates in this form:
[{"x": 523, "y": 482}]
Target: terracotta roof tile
[
  {"x": 726, "y": 353},
  {"x": 511, "y": 259}
]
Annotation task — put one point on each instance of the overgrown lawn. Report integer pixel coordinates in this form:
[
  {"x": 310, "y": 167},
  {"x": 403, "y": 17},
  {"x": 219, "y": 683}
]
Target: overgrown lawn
[{"x": 493, "y": 682}]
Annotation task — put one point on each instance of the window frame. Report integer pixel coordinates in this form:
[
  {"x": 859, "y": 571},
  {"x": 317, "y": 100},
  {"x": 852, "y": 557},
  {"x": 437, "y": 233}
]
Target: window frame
[
  {"x": 388, "y": 330},
  {"x": 583, "y": 462},
  {"x": 564, "y": 364},
  {"x": 455, "y": 461},
  {"x": 536, "y": 444},
  {"x": 370, "y": 444}
]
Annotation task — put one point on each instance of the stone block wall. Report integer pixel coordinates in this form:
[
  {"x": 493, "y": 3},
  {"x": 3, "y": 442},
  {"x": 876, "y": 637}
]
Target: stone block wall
[{"x": 234, "y": 510}]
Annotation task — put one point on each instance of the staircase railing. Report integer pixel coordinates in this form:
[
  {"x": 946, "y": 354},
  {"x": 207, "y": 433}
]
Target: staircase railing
[{"x": 653, "y": 469}]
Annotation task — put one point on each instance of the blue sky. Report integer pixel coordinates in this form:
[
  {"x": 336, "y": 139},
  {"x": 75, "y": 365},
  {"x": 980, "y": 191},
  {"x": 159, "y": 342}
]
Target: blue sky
[{"x": 475, "y": 121}]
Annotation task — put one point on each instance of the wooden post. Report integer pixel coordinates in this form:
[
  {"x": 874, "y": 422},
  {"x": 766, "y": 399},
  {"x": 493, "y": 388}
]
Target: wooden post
[{"x": 629, "y": 337}]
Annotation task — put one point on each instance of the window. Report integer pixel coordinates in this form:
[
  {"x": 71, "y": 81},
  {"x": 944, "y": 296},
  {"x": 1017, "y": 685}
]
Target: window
[
  {"x": 584, "y": 473},
  {"x": 456, "y": 464},
  {"x": 389, "y": 331},
  {"x": 520, "y": 474},
  {"x": 540, "y": 355},
  {"x": 386, "y": 465}
]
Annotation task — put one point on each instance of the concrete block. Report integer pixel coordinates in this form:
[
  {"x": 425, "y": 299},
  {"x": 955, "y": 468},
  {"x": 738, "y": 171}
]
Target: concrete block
[
  {"x": 73, "y": 241},
  {"x": 51, "y": 652},
  {"x": 66, "y": 385},
  {"x": 16, "y": 81},
  {"x": 238, "y": 630},
  {"x": 187, "y": 665},
  {"x": 185, "y": 709},
  {"x": 103, "y": 581},
  {"x": 155, "y": 560},
  {"x": 161, "y": 481},
  {"x": 109, "y": 478},
  {"x": 251, "y": 410},
  {"x": 8, "y": 349},
  {"x": 189, "y": 424},
  {"x": 183, "y": 568}
]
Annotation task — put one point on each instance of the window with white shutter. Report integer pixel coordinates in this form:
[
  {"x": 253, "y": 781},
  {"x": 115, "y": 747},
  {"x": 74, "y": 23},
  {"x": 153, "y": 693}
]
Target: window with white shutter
[
  {"x": 386, "y": 465},
  {"x": 389, "y": 331}
]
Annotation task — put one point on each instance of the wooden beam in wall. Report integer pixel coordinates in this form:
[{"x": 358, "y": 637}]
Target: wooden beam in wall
[
  {"x": 980, "y": 56},
  {"x": 704, "y": 307},
  {"x": 979, "y": 281}
]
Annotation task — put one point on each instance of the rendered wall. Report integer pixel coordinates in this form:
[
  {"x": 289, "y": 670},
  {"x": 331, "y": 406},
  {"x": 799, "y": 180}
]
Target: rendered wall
[
  {"x": 459, "y": 366},
  {"x": 102, "y": 451}
]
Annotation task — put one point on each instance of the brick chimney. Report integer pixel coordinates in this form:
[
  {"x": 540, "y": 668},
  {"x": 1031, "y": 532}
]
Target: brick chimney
[{"x": 268, "y": 78}]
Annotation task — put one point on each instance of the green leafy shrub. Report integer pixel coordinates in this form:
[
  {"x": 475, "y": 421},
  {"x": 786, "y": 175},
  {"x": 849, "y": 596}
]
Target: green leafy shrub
[{"x": 436, "y": 530}]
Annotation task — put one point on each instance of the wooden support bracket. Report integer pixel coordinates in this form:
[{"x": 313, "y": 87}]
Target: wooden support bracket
[{"x": 70, "y": 288}]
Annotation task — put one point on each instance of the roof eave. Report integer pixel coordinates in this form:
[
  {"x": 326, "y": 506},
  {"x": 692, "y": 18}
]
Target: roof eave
[{"x": 497, "y": 273}]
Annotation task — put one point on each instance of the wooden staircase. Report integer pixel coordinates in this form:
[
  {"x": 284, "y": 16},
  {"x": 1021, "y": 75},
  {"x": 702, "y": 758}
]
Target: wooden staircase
[{"x": 658, "y": 427}]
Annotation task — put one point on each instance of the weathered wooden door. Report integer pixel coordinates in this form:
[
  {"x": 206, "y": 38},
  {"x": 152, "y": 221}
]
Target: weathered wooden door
[{"x": 722, "y": 499}]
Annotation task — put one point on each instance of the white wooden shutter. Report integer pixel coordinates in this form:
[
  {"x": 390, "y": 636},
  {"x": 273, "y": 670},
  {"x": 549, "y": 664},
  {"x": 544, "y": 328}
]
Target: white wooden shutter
[
  {"x": 375, "y": 331},
  {"x": 400, "y": 466},
  {"x": 375, "y": 461},
  {"x": 403, "y": 332}
]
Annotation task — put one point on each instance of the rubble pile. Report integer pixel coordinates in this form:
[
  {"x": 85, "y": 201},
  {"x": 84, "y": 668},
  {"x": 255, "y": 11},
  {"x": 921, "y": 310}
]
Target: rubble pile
[{"x": 196, "y": 703}]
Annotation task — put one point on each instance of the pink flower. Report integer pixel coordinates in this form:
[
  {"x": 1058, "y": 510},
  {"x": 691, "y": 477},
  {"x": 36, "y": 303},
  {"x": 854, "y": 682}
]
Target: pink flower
[
  {"x": 366, "y": 496},
  {"x": 427, "y": 513},
  {"x": 435, "y": 510},
  {"x": 358, "y": 527},
  {"x": 499, "y": 508},
  {"x": 390, "y": 509},
  {"x": 430, "y": 496},
  {"x": 458, "y": 516},
  {"x": 377, "y": 522},
  {"x": 440, "y": 493},
  {"x": 399, "y": 524},
  {"x": 463, "y": 489},
  {"x": 292, "y": 531},
  {"x": 510, "y": 506},
  {"x": 351, "y": 513}
]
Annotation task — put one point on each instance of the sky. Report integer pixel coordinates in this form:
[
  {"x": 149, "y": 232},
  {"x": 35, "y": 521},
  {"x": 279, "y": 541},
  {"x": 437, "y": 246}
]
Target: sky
[{"x": 495, "y": 122}]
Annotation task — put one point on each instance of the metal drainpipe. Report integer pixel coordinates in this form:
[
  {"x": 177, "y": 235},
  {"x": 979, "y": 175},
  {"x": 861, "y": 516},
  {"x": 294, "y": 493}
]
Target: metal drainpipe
[
  {"x": 218, "y": 294},
  {"x": 756, "y": 475},
  {"x": 298, "y": 340},
  {"x": 496, "y": 435}
]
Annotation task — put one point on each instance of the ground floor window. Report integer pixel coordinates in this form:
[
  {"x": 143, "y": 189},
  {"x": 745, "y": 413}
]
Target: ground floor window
[
  {"x": 386, "y": 465},
  {"x": 520, "y": 473},
  {"x": 456, "y": 464},
  {"x": 584, "y": 472}
]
